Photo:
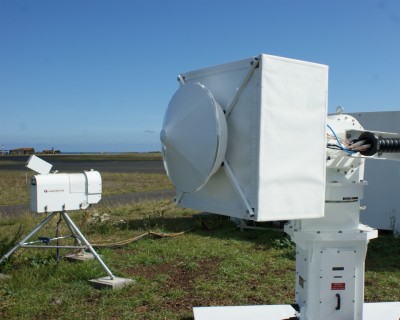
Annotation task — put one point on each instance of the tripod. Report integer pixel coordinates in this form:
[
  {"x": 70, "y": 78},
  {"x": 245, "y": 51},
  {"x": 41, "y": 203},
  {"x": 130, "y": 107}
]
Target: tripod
[{"x": 82, "y": 242}]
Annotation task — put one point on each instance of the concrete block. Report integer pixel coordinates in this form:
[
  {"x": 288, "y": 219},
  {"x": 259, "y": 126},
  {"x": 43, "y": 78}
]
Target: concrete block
[
  {"x": 4, "y": 276},
  {"x": 107, "y": 283},
  {"x": 80, "y": 257}
]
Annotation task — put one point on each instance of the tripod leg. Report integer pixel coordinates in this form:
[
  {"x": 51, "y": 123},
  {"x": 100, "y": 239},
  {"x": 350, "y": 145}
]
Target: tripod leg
[
  {"x": 57, "y": 234},
  {"x": 37, "y": 228},
  {"x": 83, "y": 239},
  {"x": 76, "y": 236}
]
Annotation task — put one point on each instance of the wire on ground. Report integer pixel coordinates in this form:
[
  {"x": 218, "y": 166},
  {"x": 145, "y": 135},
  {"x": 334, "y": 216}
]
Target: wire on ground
[{"x": 127, "y": 241}]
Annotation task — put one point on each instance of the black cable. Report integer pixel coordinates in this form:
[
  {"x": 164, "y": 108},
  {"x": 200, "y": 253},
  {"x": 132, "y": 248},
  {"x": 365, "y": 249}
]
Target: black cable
[
  {"x": 389, "y": 145},
  {"x": 333, "y": 146},
  {"x": 379, "y": 144}
]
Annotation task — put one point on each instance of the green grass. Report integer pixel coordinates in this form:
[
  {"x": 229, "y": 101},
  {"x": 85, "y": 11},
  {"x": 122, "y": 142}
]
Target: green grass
[
  {"x": 15, "y": 185},
  {"x": 117, "y": 183},
  {"x": 219, "y": 264}
]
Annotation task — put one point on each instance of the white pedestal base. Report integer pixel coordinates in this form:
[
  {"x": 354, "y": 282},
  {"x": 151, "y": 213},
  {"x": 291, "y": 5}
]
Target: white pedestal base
[{"x": 372, "y": 311}]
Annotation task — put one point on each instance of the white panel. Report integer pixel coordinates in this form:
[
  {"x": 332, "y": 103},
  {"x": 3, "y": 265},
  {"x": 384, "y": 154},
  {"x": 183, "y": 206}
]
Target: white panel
[
  {"x": 77, "y": 182},
  {"x": 223, "y": 79},
  {"x": 38, "y": 165},
  {"x": 273, "y": 312},
  {"x": 372, "y": 311},
  {"x": 218, "y": 195},
  {"x": 94, "y": 182},
  {"x": 337, "y": 276},
  {"x": 51, "y": 192},
  {"x": 292, "y": 139}
]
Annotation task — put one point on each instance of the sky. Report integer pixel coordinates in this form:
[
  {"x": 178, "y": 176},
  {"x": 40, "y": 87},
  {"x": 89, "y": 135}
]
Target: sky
[{"x": 97, "y": 75}]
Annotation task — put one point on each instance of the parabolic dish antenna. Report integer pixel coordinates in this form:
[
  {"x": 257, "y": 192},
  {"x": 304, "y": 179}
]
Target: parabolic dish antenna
[{"x": 194, "y": 137}]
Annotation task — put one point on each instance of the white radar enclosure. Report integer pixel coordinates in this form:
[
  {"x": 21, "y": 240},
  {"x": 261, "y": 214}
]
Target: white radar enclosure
[
  {"x": 57, "y": 192},
  {"x": 247, "y": 139}
]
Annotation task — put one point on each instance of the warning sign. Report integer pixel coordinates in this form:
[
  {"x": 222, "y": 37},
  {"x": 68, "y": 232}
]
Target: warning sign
[{"x": 338, "y": 286}]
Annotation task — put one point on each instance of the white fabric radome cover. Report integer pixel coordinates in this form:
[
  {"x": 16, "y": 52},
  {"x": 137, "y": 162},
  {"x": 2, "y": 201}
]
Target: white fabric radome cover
[{"x": 276, "y": 121}]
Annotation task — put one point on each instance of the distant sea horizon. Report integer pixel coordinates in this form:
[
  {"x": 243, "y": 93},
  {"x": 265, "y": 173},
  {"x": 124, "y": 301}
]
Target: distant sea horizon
[{"x": 106, "y": 152}]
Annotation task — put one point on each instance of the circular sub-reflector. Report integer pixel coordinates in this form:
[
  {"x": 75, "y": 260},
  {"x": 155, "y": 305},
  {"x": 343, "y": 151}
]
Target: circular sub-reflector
[{"x": 194, "y": 137}]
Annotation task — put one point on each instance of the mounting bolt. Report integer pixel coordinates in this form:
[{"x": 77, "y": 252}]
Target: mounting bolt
[
  {"x": 339, "y": 110},
  {"x": 181, "y": 79}
]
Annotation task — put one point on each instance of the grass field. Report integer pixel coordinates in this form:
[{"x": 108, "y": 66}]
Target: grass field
[
  {"x": 15, "y": 185},
  {"x": 212, "y": 263}
]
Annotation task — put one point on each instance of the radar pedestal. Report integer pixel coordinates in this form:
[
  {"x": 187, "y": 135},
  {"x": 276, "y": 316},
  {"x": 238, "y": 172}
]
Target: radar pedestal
[
  {"x": 251, "y": 140},
  {"x": 330, "y": 270}
]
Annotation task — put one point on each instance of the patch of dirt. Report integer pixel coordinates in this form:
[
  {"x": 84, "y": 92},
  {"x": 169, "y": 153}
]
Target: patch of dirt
[
  {"x": 182, "y": 277},
  {"x": 94, "y": 298}
]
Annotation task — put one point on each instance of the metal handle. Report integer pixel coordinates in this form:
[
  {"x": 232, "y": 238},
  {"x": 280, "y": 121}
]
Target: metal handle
[{"x": 338, "y": 301}]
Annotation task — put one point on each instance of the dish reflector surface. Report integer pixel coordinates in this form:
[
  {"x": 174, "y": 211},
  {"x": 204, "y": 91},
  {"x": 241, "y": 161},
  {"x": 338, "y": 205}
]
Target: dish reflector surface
[{"x": 194, "y": 137}]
